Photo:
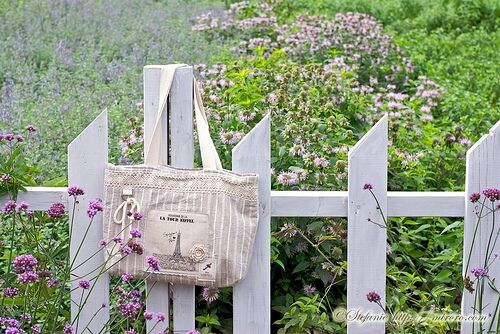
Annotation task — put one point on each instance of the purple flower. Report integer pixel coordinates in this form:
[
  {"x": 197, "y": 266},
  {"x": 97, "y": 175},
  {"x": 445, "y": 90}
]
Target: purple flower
[
  {"x": 5, "y": 177},
  {"x": 24, "y": 263},
  {"x": 474, "y": 197},
  {"x": 94, "y": 207},
  {"x": 148, "y": 315},
  {"x": 30, "y": 128},
  {"x": 75, "y": 191},
  {"x": 52, "y": 282},
  {"x": 22, "y": 207},
  {"x": 136, "y": 247},
  {"x": 13, "y": 330},
  {"x": 138, "y": 216},
  {"x": 8, "y": 136},
  {"x": 56, "y": 210},
  {"x": 135, "y": 233},
  {"x": 37, "y": 329},
  {"x": 117, "y": 239},
  {"x": 10, "y": 322},
  {"x": 26, "y": 317},
  {"x": 373, "y": 297},
  {"x": 309, "y": 289},
  {"x": 126, "y": 277},
  {"x": 210, "y": 294},
  {"x": 27, "y": 277},
  {"x": 68, "y": 329},
  {"x": 84, "y": 284},
  {"x": 367, "y": 186},
  {"x": 153, "y": 263},
  {"x": 126, "y": 250},
  {"x": 10, "y": 292},
  {"x": 160, "y": 316},
  {"x": 479, "y": 272},
  {"x": 103, "y": 242},
  {"x": 493, "y": 194},
  {"x": 9, "y": 207},
  {"x": 19, "y": 138}
]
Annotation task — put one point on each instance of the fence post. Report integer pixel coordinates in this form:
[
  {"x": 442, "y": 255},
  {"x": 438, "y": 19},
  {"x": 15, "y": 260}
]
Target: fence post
[
  {"x": 178, "y": 121},
  {"x": 367, "y": 242},
  {"x": 87, "y": 159},
  {"x": 482, "y": 171},
  {"x": 252, "y": 295}
]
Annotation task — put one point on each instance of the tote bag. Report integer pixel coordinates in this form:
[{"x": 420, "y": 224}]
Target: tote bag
[{"x": 198, "y": 225}]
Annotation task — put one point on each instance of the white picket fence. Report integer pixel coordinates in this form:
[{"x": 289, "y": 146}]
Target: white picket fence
[{"x": 366, "y": 245}]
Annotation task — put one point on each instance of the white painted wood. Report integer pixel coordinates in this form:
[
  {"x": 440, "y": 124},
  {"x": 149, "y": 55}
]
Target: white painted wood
[
  {"x": 41, "y": 198},
  {"x": 182, "y": 155},
  {"x": 366, "y": 242},
  {"x": 334, "y": 204},
  {"x": 306, "y": 203},
  {"x": 158, "y": 298},
  {"x": 482, "y": 171},
  {"x": 87, "y": 159},
  {"x": 252, "y": 295}
]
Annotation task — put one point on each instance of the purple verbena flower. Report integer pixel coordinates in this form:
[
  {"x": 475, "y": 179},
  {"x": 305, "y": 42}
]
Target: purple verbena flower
[
  {"x": 5, "y": 177},
  {"x": 56, "y": 210},
  {"x": 84, "y": 284},
  {"x": 126, "y": 277},
  {"x": 160, "y": 316},
  {"x": 153, "y": 263},
  {"x": 479, "y": 272},
  {"x": 27, "y": 277},
  {"x": 135, "y": 233},
  {"x": 148, "y": 315},
  {"x": 373, "y": 297},
  {"x": 493, "y": 194},
  {"x": 68, "y": 329},
  {"x": 138, "y": 216},
  {"x": 474, "y": 197},
  {"x": 30, "y": 128},
  {"x": 94, "y": 207},
  {"x": 24, "y": 263},
  {"x": 367, "y": 186},
  {"x": 10, "y": 292},
  {"x": 75, "y": 191},
  {"x": 37, "y": 329},
  {"x": 9, "y": 207}
]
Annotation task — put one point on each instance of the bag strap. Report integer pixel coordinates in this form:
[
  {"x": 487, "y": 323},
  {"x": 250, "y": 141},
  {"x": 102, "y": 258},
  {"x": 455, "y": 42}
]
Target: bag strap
[{"x": 210, "y": 158}]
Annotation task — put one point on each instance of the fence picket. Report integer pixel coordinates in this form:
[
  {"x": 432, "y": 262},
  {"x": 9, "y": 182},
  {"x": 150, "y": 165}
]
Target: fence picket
[
  {"x": 482, "y": 171},
  {"x": 181, "y": 137},
  {"x": 158, "y": 292},
  {"x": 366, "y": 242},
  {"x": 252, "y": 295},
  {"x": 87, "y": 159}
]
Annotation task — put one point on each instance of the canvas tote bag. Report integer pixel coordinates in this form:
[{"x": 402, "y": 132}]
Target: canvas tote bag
[{"x": 199, "y": 224}]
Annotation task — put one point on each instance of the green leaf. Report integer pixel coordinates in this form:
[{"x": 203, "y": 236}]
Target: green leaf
[
  {"x": 300, "y": 267},
  {"x": 451, "y": 226}
]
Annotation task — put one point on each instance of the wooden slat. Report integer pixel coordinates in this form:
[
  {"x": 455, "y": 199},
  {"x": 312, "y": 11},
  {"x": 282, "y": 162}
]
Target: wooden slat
[
  {"x": 41, "y": 198},
  {"x": 482, "y": 171},
  {"x": 334, "y": 204},
  {"x": 87, "y": 159},
  {"x": 366, "y": 242},
  {"x": 181, "y": 137},
  {"x": 252, "y": 295},
  {"x": 158, "y": 297},
  {"x": 308, "y": 203}
]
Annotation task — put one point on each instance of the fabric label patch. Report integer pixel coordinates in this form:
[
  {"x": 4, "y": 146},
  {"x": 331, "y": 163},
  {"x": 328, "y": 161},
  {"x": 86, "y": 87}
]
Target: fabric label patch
[{"x": 181, "y": 242}]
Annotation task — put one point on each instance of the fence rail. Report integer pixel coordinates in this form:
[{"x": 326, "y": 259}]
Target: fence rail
[{"x": 366, "y": 242}]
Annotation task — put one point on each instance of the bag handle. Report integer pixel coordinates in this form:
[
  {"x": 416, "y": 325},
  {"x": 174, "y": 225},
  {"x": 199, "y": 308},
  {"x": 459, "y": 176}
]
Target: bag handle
[{"x": 210, "y": 158}]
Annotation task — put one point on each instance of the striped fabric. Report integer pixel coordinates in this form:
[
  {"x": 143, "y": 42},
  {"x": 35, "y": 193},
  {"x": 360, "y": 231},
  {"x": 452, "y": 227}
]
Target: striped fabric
[{"x": 199, "y": 224}]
